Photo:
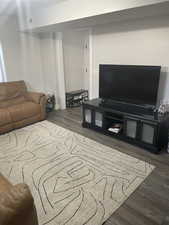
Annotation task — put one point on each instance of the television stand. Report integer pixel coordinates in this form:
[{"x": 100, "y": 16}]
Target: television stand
[{"x": 149, "y": 131}]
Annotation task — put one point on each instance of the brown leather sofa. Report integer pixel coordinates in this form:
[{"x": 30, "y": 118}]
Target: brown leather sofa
[
  {"x": 18, "y": 107},
  {"x": 16, "y": 204}
]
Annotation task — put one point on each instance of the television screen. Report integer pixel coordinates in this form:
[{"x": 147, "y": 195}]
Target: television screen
[{"x": 128, "y": 83}]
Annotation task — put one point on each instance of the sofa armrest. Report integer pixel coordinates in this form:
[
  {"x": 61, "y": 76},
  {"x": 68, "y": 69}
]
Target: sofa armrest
[
  {"x": 15, "y": 204},
  {"x": 36, "y": 97},
  {"x": 5, "y": 185},
  {"x": 40, "y": 99}
]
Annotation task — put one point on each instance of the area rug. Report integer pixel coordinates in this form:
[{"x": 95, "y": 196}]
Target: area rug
[{"x": 74, "y": 180}]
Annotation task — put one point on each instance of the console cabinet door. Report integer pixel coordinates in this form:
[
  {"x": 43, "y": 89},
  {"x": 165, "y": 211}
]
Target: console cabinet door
[
  {"x": 88, "y": 115},
  {"x": 98, "y": 119},
  {"x": 148, "y": 133},
  {"x": 131, "y": 127}
]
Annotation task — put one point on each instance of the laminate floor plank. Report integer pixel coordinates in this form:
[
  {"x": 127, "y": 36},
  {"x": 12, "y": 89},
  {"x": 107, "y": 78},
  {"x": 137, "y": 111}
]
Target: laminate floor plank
[{"x": 149, "y": 204}]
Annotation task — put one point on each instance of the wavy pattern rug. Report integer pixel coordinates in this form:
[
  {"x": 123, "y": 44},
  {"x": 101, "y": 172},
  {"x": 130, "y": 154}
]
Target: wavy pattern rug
[{"x": 74, "y": 180}]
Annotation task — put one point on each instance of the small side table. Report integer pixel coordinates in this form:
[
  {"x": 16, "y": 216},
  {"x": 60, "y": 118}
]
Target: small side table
[{"x": 76, "y": 98}]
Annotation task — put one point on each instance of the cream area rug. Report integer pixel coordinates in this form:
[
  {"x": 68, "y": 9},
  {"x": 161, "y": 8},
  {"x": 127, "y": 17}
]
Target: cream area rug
[{"x": 74, "y": 180}]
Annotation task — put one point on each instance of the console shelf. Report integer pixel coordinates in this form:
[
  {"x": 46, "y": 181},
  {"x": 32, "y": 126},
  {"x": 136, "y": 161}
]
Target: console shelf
[{"x": 147, "y": 131}]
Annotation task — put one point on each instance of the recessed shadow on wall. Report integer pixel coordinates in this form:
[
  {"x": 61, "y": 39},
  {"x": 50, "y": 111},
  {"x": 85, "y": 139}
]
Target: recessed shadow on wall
[{"x": 133, "y": 25}]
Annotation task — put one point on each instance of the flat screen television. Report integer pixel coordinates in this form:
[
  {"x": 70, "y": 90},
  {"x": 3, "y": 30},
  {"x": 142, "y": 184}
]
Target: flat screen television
[{"x": 129, "y": 83}]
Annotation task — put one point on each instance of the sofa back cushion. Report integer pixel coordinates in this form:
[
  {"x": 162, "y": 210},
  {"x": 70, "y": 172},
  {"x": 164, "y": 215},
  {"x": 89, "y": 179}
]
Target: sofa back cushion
[
  {"x": 12, "y": 102},
  {"x": 10, "y": 90}
]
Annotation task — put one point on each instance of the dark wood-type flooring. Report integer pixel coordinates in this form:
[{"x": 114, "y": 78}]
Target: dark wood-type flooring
[{"x": 149, "y": 204}]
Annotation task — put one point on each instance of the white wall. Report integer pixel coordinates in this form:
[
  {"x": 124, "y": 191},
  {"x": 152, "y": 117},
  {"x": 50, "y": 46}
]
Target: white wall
[
  {"x": 48, "y": 62},
  {"x": 10, "y": 40},
  {"x": 74, "y": 60},
  {"x": 21, "y": 53},
  {"x": 133, "y": 42},
  {"x": 51, "y": 52},
  {"x": 33, "y": 58},
  {"x": 49, "y": 65},
  {"x": 30, "y": 57},
  {"x": 31, "y": 61}
]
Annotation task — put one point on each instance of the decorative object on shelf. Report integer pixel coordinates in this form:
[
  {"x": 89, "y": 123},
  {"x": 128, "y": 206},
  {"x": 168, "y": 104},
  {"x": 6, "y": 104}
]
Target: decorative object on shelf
[
  {"x": 115, "y": 128},
  {"x": 164, "y": 107},
  {"x": 76, "y": 98},
  {"x": 50, "y": 103}
]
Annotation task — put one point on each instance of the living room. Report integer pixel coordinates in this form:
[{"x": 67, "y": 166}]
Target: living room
[{"x": 64, "y": 163}]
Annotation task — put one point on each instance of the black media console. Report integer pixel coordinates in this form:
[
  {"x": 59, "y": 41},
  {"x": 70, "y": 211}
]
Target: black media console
[{"x": 142, "y": 128}]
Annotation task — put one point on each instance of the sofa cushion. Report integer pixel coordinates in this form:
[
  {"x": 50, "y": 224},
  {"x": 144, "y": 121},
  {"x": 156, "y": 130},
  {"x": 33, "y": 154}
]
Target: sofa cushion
[
  {"x": 11, "y": 102},
  {"x": 10, "y": 90},
  {"x": 15, "y": 204},
  {"x": 23, "y": 111},
  {"x": 5, "y": 117},
  {"x": 2, "y": 92},
  {"x": 6, "y": 128}
]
